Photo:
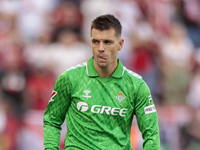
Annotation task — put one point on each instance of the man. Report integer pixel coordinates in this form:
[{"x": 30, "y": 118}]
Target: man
[{"x": 99, "y": 99}]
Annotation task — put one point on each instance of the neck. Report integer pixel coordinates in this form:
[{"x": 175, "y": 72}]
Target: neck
[{"x": 105, "y": 71}]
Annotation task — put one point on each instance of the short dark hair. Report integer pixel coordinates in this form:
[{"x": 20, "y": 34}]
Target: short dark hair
[{"x": 106, "y": 22}]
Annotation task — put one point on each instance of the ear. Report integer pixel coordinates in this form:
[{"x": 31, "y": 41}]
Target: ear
[{"x": 121, "y": 43}]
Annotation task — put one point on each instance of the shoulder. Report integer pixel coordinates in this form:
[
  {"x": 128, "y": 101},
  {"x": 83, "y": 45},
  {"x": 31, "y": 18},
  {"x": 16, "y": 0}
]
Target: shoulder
[
  {"x": 136, "y": 82},
  {"x": 133, "y": 79},
  {"x": 132, "y": 75},
  {"x": 79, "y": 67},
  {"x": 74, "y": 71}
]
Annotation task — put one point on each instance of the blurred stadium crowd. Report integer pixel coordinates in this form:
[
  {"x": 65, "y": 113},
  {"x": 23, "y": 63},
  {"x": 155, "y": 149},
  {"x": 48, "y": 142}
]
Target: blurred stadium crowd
[{"x": 39, "y": 39}]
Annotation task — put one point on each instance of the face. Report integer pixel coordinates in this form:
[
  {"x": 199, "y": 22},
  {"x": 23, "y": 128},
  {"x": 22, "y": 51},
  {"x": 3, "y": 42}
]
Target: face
[{"x": 105, "y": 47}]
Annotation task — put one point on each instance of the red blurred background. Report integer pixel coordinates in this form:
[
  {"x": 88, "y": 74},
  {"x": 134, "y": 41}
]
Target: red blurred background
[{"x": 41, "y": 39}]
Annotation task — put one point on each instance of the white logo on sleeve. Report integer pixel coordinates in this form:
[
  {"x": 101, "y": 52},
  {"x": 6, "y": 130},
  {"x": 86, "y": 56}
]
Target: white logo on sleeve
[
  {"x": 87, "y": 92},
  {"x": 150, "y": 98},
  {"x": 149, "y": 109},
  {"x": 82, "y": 106}
]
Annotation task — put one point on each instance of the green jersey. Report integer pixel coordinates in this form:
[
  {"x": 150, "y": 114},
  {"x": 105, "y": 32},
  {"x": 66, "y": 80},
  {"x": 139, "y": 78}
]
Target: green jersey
[{"x": 99, "y": 111}]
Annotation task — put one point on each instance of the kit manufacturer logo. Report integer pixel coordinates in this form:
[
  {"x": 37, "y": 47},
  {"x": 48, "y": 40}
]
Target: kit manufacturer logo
[
  {"x": 120, "y": 97},
  {"x": 87, "y": 92}
]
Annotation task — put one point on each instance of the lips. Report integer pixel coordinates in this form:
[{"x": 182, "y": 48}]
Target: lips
[{"x": 102, "y": 57}]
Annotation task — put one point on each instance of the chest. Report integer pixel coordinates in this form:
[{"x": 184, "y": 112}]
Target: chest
[{"x": 112, "y": 97}]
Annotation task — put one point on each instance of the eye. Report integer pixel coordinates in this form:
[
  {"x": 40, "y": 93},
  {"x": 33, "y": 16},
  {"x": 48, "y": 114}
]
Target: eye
[
  {"x": 95, "y": 41},
  {"x": 108, "y": 42}
]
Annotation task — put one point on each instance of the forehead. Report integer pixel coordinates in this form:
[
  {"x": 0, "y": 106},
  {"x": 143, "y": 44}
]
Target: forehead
[{"x": 105, "y": 34}]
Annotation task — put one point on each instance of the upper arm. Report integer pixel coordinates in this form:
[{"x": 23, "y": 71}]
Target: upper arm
[
  {"x": 59, "y": 101},
  {"x": 147, "y": 117}
]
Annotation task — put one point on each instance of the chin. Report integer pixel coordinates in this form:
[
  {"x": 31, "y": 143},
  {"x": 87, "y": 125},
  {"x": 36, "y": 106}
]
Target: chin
[{"x": 102, "y": 65}]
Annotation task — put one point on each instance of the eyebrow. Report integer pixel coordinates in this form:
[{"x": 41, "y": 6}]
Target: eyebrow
[
  {"x": 94, "y": 40},
  {"x": 105, "y": 40}
]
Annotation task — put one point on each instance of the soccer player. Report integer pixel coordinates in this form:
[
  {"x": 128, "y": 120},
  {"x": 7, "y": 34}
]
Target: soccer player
[{"x": 99, "y": 98}]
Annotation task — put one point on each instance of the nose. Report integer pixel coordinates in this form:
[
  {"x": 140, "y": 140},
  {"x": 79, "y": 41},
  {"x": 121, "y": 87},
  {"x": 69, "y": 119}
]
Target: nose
[{"x": 101, "y": 47}]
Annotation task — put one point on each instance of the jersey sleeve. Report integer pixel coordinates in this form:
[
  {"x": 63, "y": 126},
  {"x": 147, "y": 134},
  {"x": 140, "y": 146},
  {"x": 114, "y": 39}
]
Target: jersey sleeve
[
  {"x": 55, "y": 112},
  {"x": 147, "y": 119}
]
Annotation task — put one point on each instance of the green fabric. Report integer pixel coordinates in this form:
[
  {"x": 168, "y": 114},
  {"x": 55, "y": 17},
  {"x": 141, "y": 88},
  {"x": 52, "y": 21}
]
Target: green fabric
[{"x": 99, "y": 111}]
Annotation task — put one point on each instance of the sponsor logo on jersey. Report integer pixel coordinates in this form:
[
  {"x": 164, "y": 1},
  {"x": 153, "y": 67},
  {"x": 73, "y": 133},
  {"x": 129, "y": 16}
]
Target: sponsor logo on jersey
[
  {"x": 87, "y": 92},
  {"x": 82, "y": 106},
  {"x": 120, "y": 97},
  {"x": 99, "y": 109},
  {"x": 150, "y": 109},
  {"x": 52, "y": 95}
]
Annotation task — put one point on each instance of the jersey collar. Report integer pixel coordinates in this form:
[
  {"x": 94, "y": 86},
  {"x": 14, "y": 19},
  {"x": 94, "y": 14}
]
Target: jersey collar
[{"x": 91, "y": 71}]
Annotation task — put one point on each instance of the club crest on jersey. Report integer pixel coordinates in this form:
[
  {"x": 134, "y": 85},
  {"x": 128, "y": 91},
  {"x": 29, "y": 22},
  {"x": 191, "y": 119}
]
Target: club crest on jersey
[
  {"x": 52, "y": 95},
  {"x": 120, "y": 97}
]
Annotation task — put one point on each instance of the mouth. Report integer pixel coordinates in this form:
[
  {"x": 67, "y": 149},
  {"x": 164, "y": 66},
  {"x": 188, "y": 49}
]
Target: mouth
[{"x": 102, "y": 57}]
